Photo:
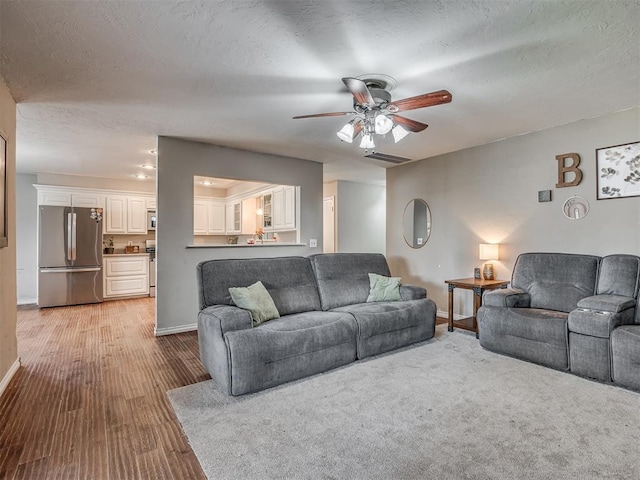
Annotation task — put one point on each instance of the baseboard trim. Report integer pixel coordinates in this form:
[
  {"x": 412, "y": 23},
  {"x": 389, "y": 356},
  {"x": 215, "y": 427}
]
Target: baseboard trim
[
  {"x": 7, "y": 378},
  {"x": 159, "y": 332},
  {"x": 456, "y": 316},
  {"x": 28, "y": 301}
]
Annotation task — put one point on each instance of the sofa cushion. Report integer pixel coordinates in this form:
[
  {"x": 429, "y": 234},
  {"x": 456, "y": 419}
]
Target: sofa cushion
[
  {"x": 289, "y": 281},
  {"x": 384, "y": 326},
  {"x": 257, "y": 300},
  {"x": 625, "y": 352},
  {"x": 343, "y": 278},
  {"x": 619, "y": 275},
  {"x": 536, "y": 335},
  {"x": 383, "y": 289},
  {"x": 555, "y": 281},
  {"x": 289, "y": 348}
]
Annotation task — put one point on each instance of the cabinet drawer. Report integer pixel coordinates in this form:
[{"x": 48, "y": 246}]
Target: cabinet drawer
[
  {"x": 122, "y": 286},
  {"x": 123, "y": 266}
]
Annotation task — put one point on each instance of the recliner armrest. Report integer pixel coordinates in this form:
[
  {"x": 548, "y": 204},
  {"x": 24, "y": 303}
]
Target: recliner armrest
[
  {"x": 506, "y": 297},
  {"x": 412, "y": 292},
  {"x": 607, "y": 303},
  {"x": 227, "y": 317}
]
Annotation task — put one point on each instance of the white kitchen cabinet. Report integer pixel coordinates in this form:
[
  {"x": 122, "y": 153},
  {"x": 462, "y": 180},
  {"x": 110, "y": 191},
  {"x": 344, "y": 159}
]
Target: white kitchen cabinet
[
  {"x": 151, "y": 203},
  {"x": 216, "y": 216},
  {"x": 289, "y": 209},
  {"x": 125, "y": 214},
  {"x": 200, "y": 220},
  {"x": 54, "y": 198},
  {"x": 208, "y": 216},
  {"x": 136, "y": 215},
  {"x": 126, "y": 275},
  {"x": 267, "y": 211},
  {"x": 284, "y": 208},
  {"x": 234, "y": 217},
  {"x": 87, "y": 200},
  {"x": 115, "y": 214},
  {"x": 278, "y": 208}
]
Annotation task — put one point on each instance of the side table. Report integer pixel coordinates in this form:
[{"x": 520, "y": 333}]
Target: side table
[{"x": 478, "y": 286}]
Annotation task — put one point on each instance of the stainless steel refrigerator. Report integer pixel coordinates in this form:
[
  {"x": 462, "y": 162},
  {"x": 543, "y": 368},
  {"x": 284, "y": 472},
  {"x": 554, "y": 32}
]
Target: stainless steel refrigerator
[{"x": 70, "y": 256}]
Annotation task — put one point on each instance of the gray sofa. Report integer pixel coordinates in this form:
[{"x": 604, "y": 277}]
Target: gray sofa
[
  {"x": 569, "y": 312},
  {"x": 325, "y": 321}
]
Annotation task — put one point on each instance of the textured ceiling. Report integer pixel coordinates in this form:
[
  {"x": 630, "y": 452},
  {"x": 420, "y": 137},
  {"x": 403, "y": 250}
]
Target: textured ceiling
[{"x": 97, "y": 81}]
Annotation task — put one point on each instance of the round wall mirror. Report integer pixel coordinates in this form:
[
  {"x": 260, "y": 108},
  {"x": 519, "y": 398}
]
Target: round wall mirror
[
  {"x": 575, "y": 207},
  {"x": 416, "y": 223}
]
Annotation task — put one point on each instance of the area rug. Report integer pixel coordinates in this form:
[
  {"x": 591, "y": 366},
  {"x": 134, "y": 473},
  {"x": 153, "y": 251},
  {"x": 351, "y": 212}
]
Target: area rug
[{"x": 444, "y": 409}]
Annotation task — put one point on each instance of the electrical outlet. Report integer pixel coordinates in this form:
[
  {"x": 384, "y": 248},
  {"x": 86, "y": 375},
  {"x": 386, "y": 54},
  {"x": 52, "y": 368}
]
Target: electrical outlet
[{"x": 313, "y": 243}]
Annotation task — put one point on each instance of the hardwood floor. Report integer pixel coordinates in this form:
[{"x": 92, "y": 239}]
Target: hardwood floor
[{"x": 89, "y": 401}]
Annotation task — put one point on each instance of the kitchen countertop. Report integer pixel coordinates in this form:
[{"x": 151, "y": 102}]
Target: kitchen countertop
[
  {"x": 124, "y": 254},
  {"x": 247, "y": 245}
]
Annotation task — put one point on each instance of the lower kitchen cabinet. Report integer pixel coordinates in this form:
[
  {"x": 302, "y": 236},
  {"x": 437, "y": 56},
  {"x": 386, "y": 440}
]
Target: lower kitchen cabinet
[{"x": 126, "y": 275}]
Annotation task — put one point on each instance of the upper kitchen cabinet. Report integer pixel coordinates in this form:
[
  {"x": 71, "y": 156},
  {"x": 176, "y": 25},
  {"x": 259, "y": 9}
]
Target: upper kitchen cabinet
[
  {"x": 65, "y": 197},
  {"x": 136, "y": 215},
  {"x": 125, "y": 214},
  {"x": 284, "y": 208},
  {"x": 208, "y": 216},
  {"x": 234, "y": 217}
]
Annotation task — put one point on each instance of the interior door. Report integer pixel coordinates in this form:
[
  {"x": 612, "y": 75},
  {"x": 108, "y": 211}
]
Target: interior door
[{"x": 328, "y": 226}]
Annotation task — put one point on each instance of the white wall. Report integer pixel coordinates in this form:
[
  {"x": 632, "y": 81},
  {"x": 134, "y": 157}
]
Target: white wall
[
  {"x": 27, "y": 238},
  {"x": 361, "y": 217},
  {"x": 178, "y": 162},
  {"x": 8, "y": 311},
  {"x": 488, "y": 194},
  {"x": 133, "y": 185}
]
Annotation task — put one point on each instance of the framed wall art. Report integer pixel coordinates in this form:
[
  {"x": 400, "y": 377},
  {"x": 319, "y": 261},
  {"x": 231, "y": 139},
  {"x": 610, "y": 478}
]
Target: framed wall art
[
  {"x": 618, "y": 171},
  {"x": 3, "y": 192}
]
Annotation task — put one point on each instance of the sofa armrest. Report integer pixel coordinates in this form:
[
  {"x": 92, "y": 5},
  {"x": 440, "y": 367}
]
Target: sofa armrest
[
  {"x": 226, "y": 317},
  {"x": 412, "y": 292},
  {"x": 607, "y": 303},
  {"x": 506, "y": 297}
]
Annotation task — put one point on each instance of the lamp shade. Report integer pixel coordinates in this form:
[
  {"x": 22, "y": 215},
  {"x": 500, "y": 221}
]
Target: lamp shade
[
  {"x": 346, "y": 133},
  {"x": 399, "y": 133},
  {"x": 489, "y": 251}
]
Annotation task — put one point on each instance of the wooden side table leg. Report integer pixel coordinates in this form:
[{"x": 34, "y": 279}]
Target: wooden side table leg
[
  {"x": 451, "y": 288},
  {"x": 477, "y": 302}
]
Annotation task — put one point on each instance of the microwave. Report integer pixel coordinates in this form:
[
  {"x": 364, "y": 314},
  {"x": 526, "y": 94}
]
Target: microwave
[{"x": 151, "y": 220}]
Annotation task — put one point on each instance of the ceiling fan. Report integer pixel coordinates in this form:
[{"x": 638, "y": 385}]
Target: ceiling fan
[{"x": 377, "y": 114}]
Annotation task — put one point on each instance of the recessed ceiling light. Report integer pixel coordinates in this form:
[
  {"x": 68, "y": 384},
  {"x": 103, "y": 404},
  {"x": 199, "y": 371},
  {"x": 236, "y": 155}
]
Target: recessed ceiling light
[
  {"x": 207, "y": 183},
  {"x": 141, "y": 176},
  {"x": 148, "y": 166},
  {"x": 153, "y": 151}
]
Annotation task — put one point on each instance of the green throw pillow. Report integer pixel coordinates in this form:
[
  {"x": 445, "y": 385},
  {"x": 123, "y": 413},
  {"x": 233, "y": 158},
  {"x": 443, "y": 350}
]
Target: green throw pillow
[
  {"x": 383, "y": 289},
  {"x": 257, "y": 300}
]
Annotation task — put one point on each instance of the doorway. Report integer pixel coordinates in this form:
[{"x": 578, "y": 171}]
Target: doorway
[{"x": 329, "y": 225}]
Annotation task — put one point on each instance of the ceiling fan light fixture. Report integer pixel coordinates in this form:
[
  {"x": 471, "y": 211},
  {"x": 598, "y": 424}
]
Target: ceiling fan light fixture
[
  {"x": 383, "y": 124},
  {"x": 399, "y": 133},
  {"x": 346, "y": 133},
  {"x": 367, "y": 142}
]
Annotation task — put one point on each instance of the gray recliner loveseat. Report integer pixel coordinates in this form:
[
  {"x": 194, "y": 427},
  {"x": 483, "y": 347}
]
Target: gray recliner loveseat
[
  {"x": 325, "y": 320},
  {"x": 569, "y": 312}
]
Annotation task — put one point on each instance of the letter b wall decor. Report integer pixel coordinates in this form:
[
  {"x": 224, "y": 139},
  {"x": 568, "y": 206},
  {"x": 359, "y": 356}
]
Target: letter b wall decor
[{"x": 573, "y": 168}]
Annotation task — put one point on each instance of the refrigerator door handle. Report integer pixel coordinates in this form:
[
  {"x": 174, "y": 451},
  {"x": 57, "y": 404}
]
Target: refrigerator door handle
[
  {"x": 69, "y": 236},
  {"x": 70, "y": 270},
  {"x": 74, "y": 231}
]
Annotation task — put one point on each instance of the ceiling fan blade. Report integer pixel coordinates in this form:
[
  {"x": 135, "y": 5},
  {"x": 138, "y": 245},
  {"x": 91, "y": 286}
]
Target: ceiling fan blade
[
  {"x": 421, "y": 101},
  {"x": 360, "y": 91},
  {"x": 332, "y": 114},
  {"x": 411, "y": 125}
]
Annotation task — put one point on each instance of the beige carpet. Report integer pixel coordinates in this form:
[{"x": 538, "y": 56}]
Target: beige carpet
[{"x": 445, "y": 409}]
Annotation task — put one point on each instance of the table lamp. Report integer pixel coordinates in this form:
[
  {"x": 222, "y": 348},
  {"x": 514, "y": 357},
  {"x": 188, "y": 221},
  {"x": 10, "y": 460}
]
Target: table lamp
[{"x": 488, "y": 251}]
